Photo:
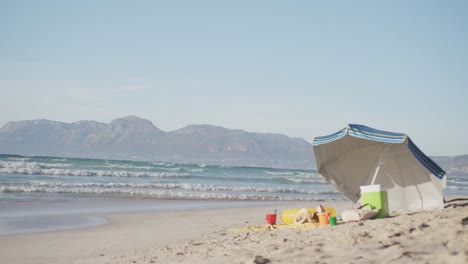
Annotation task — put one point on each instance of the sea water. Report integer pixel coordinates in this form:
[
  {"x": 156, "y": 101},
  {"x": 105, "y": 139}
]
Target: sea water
[
  {"x": 48, "y": 193},
  {"x": 21, "y": 177}
]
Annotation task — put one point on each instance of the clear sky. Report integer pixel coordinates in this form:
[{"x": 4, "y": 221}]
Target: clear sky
[{"x": 300, "y": 68}]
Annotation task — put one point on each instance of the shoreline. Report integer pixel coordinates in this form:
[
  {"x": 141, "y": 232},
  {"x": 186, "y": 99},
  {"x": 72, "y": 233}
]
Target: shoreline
[
  {"x": 206, "y": 236},
  {"x": 24, "y": 216}
]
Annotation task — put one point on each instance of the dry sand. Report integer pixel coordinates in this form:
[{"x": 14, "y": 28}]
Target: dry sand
[{"x": 437, "y": 236}]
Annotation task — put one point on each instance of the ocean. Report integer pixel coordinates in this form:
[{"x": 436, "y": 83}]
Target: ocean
[
  {"x": 23, "y": 177},
  {"x": 49, "y": 193}
]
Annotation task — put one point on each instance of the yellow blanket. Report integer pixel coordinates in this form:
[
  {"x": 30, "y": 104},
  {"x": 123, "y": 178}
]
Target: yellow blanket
[{"x": 304, "y": 226}]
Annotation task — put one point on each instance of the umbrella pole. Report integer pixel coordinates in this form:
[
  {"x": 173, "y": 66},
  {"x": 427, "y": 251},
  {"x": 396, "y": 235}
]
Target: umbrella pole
[
  {"x": 380, "y": 163},
  {"x": 375, "y": 174}
]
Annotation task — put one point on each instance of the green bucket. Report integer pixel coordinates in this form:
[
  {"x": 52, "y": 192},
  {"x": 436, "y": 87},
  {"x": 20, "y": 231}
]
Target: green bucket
[{"x": 376, "y": 198}]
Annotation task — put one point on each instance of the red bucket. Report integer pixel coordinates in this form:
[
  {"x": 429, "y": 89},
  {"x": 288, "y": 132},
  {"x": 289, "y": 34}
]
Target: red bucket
[{"x": 271, "y": 219}]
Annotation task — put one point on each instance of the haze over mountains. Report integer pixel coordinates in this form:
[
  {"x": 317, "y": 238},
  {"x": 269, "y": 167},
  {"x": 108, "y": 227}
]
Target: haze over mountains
[{"x": 134, "y": 138}]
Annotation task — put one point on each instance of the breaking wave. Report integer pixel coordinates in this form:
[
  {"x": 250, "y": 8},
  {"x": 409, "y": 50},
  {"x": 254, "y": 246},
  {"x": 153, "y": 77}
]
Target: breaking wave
[
  {"x": 166, "y": 190},
  {"x": 35, "y": 168},
  {"x": 45, "y": 175}
]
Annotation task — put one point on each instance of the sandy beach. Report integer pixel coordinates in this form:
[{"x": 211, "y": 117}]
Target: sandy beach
[{"x": 213, "y": 236}]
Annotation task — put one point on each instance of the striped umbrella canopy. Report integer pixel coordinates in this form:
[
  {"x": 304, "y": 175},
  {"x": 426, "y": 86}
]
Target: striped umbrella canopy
[{"x": 359, "y": 155}]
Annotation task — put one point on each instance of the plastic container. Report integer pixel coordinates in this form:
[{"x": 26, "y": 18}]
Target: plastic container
[
  {"x": 271, "y": 219},
  {"x": 332, "y": 220},
  {"x": 323, "y": 218},
  {"x": 376, "y": 198}
]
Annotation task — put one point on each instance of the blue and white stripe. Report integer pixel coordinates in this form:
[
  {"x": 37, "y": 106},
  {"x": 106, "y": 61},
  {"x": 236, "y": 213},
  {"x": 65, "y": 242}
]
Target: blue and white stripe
[
  {"x": 425, "y": 160},
  {"x": 365, "y": 132},
  {"x": 330, "y": 138}
]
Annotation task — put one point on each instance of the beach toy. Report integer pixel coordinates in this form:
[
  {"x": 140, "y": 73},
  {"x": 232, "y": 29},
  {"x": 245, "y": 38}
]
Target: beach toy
[
  {"x": 320, "y": 209},
  {"x": 314, "y": 218},
  {"x": 301, "y": 216},
  {"x": 288, "y": 216},
  {"x": 332, "y": 220},
  {"x": 310, "y": 218},
  {"x": 323, "y": 218},
  {"x": 271, "y": 219},
  {"x": 375, "y": 196}
]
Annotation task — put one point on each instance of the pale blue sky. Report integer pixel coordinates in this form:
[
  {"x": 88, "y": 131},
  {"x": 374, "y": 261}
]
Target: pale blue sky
[{"x": 300, "y": 68}]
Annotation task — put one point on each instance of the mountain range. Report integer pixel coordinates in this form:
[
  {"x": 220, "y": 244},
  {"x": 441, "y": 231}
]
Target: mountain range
[{"x": 134, "y": 138}]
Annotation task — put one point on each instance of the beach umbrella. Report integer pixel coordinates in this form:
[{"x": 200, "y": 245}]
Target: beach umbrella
[{"x": 359, "y": 155}]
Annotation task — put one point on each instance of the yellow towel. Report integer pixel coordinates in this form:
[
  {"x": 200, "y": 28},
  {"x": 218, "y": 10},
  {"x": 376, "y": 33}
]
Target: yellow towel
[{"x": 304, "y": 226}]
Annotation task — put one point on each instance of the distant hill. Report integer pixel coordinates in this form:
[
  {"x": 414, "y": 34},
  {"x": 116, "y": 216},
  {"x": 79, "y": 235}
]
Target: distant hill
[
  {"x": 135, "y": 138},
  {"x": 457, "y": 165}
]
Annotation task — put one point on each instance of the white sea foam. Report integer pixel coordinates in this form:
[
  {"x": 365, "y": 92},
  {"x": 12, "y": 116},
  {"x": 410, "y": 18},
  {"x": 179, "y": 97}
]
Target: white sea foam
[
  {"x": 296, "y": 177},
  {"x": 457, "y": 182},
  {"x": 172, "y": 169},
  {"x": 303, "y": 175},
  {"x": 306, "y": 174},
  {"x": 459, "y": 188},
  {"x": 95, "y": 187},
  {"x": 158, "y": 163},
  {"x": 35, "y": 168},
  {"x": 58, "y": 159},
  {"x": 54, "y": 165},
  {"x": 316, "y": 180},
  {"x": 286, "y": 173},
  {"x": 128, "y": 166},
  {"x": 19, "y": 159},
  {"x": 184, "y": 191}
]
